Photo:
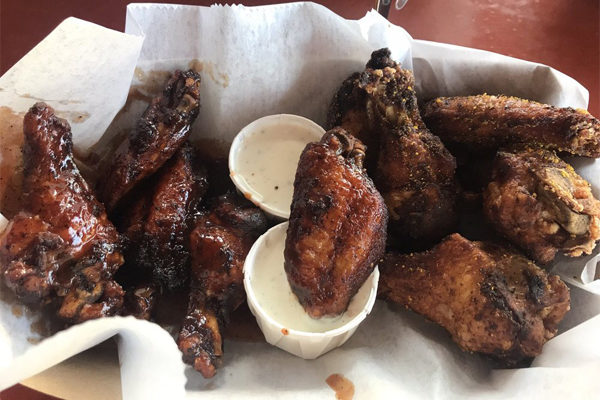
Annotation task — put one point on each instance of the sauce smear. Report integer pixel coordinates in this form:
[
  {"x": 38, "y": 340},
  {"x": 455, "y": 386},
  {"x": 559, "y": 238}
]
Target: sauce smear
[{"x": 342, "y": 386}]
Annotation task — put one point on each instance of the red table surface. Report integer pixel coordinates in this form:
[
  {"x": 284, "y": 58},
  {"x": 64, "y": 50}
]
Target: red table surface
[{"x": 564, "y": 34}]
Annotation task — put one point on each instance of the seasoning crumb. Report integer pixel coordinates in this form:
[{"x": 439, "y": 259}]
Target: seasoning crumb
[
  {"x": 342, "y": 386},
  {"x": 276, "y": 187},
  {"x": 285, "y": 331}
]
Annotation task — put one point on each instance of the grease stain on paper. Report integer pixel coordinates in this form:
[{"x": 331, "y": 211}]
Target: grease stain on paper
[
  {"x": 11, "y": 166},
  {"x": 342, "y": 386},
  {"x": 210, "y": 69}
]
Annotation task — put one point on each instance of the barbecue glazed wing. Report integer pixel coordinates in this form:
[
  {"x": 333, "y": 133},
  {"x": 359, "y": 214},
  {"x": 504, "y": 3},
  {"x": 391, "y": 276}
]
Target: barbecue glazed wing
[
  {"x": 538, "y": 201},
  {"x": 411, "y": 167},
  {"x": 337, "y": 226},
  {"x": 61, "y": 248},
  {"x": 218, "y": 245},
  {"x": 161, "y": 130},
  {"x": 490, "y": 122},
  {"x": 157, "y": 228},
  {"x": 491, "y": 300}
]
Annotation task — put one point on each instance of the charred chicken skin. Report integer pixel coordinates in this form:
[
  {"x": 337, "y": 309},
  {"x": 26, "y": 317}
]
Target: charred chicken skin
[
  {"x": 491, "y": 300},
  {"x": 157, "y": 227},
  {"x": 219, "y": 244},
  {"x": 538, "y": 201},
  {"x": 490, "y": 122},
  {"x": 61, "y": 248},
  {"x": 161, "y": 130},
  {"x": 337, "y": 226},
  {"x": 411, "y": 167}
]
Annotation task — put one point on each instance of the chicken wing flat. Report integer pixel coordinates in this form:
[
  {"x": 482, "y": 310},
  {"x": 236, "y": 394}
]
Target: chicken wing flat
[
  {"x": 491, "y": 300},
  {"x": 157, "y": 228},
  {"x": 219, "y": 244},
  {"x": 411, "y": 167},
  {"x": 538, "y": 202},
  {"x": 61, "y": 248},
  {"x": 337, "y": 226},
  {"x": 489, "y": 122},
  {"x": 161, "y": 130}
]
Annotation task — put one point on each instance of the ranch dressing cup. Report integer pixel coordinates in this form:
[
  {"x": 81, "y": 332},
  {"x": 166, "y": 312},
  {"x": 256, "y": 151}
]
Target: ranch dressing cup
[
  {"x": 280, "y": 316},
  {"x": 264, "y": 156}
]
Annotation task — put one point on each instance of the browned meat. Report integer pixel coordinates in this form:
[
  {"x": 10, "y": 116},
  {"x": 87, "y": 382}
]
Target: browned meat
[
  {"x": 491, "y": 300},
  {"x": 61, "y": 248},
  {"x": 161, "y": 130},
  {"x": 538, "y": 201},
  {"x": 218, "y": 244},
  {"x": 411, "y": 167},
  {"x": 489, "y": 122},
  {"x": 140, "y": 300},
  {"x": 157, "y": 227},
  {"x": 337, "y": 226}
]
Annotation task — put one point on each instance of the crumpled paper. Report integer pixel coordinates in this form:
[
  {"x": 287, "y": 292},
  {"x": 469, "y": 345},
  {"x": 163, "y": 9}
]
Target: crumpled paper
[{"x": 264, "y": 60}]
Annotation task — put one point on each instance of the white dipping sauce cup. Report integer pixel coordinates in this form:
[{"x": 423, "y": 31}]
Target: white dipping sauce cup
[
  {"x": 287, "y": 136},
  {"x": 303, "y": 344}
]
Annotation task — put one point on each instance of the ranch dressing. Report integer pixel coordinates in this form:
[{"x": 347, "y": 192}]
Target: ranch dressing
[
  {"x": 274, "y": 295},
  {"x": 265, "y": 156}
]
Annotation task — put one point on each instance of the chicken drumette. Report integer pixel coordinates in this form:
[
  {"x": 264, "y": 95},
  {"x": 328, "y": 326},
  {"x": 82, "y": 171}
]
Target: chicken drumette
[
  {"x": 488, "y": 122},
  {"x": 157, "y": 223},
  {"x": 491, "y": 300},
  {"x": 161, "y": 130},
  {"x": 410, "y": 167},
  {"x": 61, "y": 248},
  {"x": 218, "y": 244},
  {"x": 538, "y": 201},
  {"x": 337, "y": 226}
]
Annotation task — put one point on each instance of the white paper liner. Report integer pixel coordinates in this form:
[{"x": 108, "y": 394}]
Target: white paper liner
[{"x": 266, "y": 60}]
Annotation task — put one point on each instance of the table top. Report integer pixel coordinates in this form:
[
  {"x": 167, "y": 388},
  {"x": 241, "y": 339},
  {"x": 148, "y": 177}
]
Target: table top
[{"x": 564, "y": 34}]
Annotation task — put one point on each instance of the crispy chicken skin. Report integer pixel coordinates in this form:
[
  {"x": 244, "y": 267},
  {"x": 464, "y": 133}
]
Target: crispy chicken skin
[
  {"x": 538, "y": 201},
  {"x": 161, "y": 130},
  {"x": 337, "y": 226},
  {"x": 219, "y": 244},
  {"x": 157, "y": 227},
  {"x": 410, "y": 167},
  {"x": 489, "y": 122},
  {"x": 491, "y": 300},
  {"x": 61, "y": 248}
]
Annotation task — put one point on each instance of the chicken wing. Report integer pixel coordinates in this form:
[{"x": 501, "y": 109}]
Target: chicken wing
[
  {"x": 337, "y": 226},
  {"x": 157, "y": 228},
  {"x": 491, "y": 300},
  {"x": 61, "y": 248},
  {"x": 489, "y": 122},
  {"x": 218, "y": 244},
  {"x": 161, "y": 130},
  {"x": 538, "y": 201},
  {"x": 410, "y": 167}
]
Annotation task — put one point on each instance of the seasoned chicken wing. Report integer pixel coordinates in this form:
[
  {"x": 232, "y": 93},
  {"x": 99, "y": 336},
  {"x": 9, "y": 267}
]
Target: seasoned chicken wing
[
  {"x": 161, "y": 130},
  {"x": 61, "y": 248},
  {"x": 491, "y": 300},
  {"x": 538, "y": 201},
  {"x": 218, "y": 245},
  {"x": 157, "y": 226},
  {"x": 337, "y": 226},
  {"x": 411, "y": 167},
  {"x": 489, "y": 122}
]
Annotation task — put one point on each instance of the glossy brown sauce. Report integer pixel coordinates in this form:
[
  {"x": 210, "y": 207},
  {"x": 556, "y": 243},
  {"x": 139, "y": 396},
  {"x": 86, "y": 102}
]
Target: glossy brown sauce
[
  {"x": 243, "y": 327},
  {"x": 11, "y": 168},
  {"x": 342, "y": 386}
]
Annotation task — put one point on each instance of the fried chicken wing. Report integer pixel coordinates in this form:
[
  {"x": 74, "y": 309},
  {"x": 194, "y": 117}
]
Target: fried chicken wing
[
  {"x": 161, "y": 130},
  {"x": 410, "y": 167},
  {"x": 491, "y": 300},
  {"x": 61, "y": 248},
  {"x": 157, "y": 227},
  {"x": 490, "y": 122},
  {"x": 337, "y": 226},
  {"x": 218, "y": 244},
  {"x": 538, "y": 201}
]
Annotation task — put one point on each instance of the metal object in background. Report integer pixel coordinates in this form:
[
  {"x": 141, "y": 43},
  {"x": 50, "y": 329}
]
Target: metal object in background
[{"x": 383, "y": 6}]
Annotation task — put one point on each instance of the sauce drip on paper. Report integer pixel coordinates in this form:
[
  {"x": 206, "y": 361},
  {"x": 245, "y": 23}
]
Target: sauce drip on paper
[{"x": 342, "y": 386}]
